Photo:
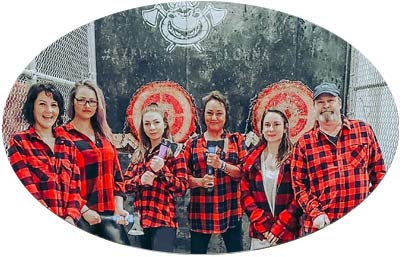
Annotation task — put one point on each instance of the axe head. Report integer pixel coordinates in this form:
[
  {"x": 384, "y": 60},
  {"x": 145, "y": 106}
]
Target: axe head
[
  {"x": 150, "y": 16},
  {"x": 175, "y": 148},
  {"x": 217, "y": 15}
]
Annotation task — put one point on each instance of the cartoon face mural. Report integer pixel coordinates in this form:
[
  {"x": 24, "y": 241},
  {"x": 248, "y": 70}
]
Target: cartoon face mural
[{"x": 184, "y": 24}]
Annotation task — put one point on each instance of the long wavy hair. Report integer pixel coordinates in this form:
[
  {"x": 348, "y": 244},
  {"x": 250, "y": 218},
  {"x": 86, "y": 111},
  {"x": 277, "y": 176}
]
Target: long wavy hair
[
  {"x": 285, "y": 146},
  {"x": 99, "y": 120},
  {"x": 144, "y": 141}
]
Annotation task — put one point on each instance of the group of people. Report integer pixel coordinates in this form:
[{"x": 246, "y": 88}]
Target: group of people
[{"x": 286, "y": 190}]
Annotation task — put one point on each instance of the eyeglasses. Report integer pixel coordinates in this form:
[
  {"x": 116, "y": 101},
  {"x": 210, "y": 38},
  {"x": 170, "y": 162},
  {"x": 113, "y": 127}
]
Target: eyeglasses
[{"x": 83, "y": 101}]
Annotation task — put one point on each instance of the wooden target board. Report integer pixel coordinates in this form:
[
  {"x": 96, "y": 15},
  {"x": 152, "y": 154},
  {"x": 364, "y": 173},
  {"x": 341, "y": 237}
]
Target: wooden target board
[
  {"x": 173, "y": 99},
  {"x": 292, "y": 98}
]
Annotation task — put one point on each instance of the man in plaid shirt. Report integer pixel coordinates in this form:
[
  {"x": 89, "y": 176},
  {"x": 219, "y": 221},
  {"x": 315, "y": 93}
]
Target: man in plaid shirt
[{"x": 336, "y": 164}]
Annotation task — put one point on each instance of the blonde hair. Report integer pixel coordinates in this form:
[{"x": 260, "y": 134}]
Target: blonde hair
[{"x": 144, "y": 141}]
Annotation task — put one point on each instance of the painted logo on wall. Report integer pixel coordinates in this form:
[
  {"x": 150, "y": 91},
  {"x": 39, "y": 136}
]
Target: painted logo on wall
[{"x": 184, "y": 24}]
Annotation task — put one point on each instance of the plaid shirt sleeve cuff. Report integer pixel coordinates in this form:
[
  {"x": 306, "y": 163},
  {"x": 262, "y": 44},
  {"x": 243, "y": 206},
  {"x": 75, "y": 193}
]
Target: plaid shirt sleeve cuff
[
  {"x": 83, "y": 202},
  {"x": 278, "y": 229},
  {"x": 260, "y": 222},
  {"x": 132, "y": 183},
  {"x": 74, "y": 215},
  {"x": 260, "y": 227},
  {"x": 164, "y": 174},
  {"x": 166, "y": 171},
  {"x": 233, "y": 178},
  {"x": 138, "y": 180}
]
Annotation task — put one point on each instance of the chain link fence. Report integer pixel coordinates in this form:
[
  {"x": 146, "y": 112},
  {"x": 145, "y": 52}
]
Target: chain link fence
[
  {"x": 369, "y": 99},
  {"x": 72, "y": 58},
  {"x": 67, "y": 60}
]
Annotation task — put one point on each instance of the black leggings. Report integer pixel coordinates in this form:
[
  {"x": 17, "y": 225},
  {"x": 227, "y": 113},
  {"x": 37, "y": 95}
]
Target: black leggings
[
  {"x": 159, "y": 239},
  {"x": 232, "y": 238},
  {"x": 107, "y": 229}
]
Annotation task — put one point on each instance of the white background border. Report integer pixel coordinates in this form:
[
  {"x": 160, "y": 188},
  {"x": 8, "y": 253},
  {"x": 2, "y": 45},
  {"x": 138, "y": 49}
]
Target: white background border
[{"x": 27, "y": 27}]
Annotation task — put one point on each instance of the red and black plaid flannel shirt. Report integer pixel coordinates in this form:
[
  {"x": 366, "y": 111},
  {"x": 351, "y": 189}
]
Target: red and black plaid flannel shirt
[
  {"x": 101, "y": 175},
  {"x": 220, "y": 209},
  {"x": 284, "y": 222},
  {"x": 334, "y": 178},
  {"x": 51, "y": 177},
  {"x": 156, "y": 203}
]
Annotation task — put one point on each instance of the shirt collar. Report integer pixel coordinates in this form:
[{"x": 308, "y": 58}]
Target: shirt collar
[
  {"x": 345, "y": 124},
  {"x": 32, "y": 132},
  {"x": 203, "y": 140},
  {"x": 69, "y": 127}
]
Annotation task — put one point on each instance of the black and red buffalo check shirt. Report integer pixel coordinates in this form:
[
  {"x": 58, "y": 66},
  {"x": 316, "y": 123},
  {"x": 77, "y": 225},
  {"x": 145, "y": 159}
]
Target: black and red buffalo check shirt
[
  {"x": 284, "y": 222},
  {"x": 220, "y": 209},
  {"x": 101, "y": 175},
  {"x": 51, "y": 177},
  {"x": 156, "y": 203},
  {"x": 333, "y": 178}
]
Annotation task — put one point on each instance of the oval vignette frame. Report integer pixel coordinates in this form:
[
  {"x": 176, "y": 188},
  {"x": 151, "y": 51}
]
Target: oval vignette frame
[{"x": 318, "y": 233}]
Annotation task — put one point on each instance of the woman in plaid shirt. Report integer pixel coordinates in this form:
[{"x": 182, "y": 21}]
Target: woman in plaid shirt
[
  {"x": 43, "y": 159},
  {"x": 214, "y": 206},
  {"x": 101, "y": 175},
  {"x": 267, "y": 195},
  {"x": 156, "y": 177}
]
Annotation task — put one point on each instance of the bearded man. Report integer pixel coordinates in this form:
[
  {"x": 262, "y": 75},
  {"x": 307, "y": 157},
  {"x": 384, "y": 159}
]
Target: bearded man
[{"x": 335, "y": 165}]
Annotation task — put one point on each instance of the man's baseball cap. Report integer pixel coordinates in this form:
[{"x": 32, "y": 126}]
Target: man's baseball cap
[{"x": 327, "y": 88}]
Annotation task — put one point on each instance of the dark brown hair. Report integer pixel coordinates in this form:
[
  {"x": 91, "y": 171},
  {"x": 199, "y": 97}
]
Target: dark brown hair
[
  {"x": 285, "y": 147},
  {"x": 33, "y": 92},
  {"x": 218, "y": 96}
]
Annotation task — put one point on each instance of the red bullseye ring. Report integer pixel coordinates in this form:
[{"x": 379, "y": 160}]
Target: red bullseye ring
[
  {"x": 291, "y": 97},
  {"x": 176, "y": 102}
]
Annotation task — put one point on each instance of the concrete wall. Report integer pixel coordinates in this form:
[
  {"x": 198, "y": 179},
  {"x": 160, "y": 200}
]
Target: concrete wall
[{"x": 251, "y": 48}]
